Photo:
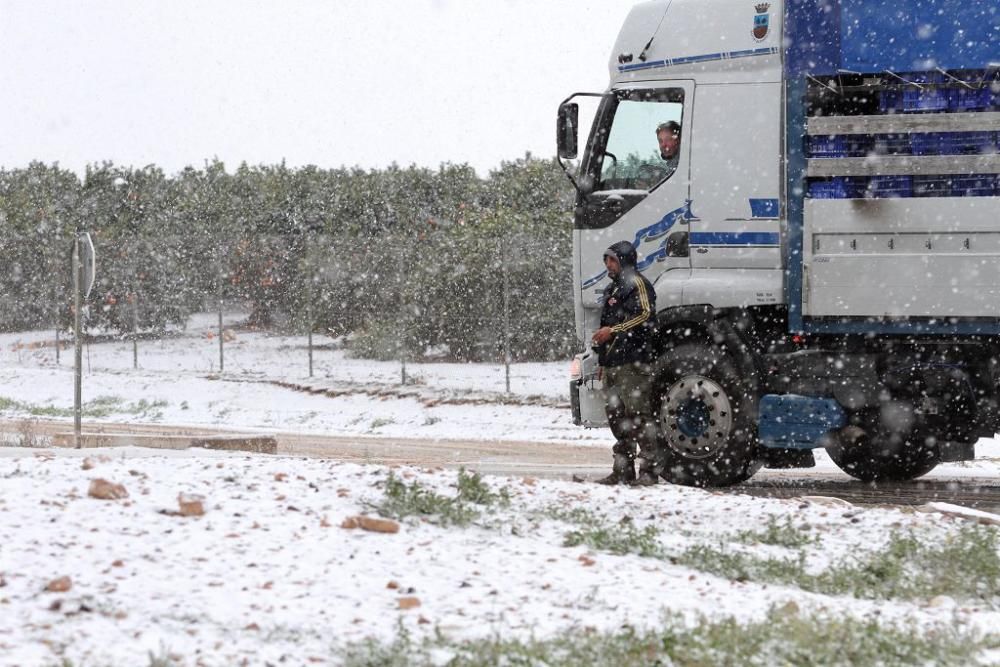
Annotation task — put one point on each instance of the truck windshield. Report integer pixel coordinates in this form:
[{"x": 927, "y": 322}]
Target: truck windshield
[{"x": 643, "y": 133}]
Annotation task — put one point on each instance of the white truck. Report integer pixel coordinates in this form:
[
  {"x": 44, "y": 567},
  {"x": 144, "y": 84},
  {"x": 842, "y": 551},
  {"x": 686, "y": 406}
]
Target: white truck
[{"x": 826, "y": 249}]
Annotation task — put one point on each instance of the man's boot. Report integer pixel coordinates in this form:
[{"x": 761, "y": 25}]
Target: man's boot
[
  {"x": 622, "y": 471},
  {"x": 647, "y": 473}
]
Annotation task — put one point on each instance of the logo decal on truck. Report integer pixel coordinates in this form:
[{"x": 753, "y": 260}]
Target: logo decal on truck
[
  {"x": 761, "y": 22},
  {"x": 652, "y": 233}
]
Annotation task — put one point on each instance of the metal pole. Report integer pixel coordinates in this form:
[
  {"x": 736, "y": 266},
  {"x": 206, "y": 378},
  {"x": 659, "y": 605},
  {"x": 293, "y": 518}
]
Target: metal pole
[
  {"x": 309, "y": 325},
  {"x": 77, "y": 344},
  {"x": 309, "y": 333},
  {"x": 506, "y": 316},
  {"x": 56, "y": 299},
  {"x": 402, "y": 347},
  {"x": 218, "y": 288},
  {"x": 311, "y": 279},
  {"x": 135, "y": 328},
  {"x": 310, "y": 352},
  {"x": 402, "y": 322}
]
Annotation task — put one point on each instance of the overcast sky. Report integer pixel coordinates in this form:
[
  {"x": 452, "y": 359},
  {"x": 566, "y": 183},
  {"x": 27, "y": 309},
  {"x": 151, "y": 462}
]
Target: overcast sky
[{"x": 331, "y": 83}]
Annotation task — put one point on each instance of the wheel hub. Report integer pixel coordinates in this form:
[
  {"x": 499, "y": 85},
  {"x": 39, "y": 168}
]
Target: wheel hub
[{"x": 696, "y": 417}]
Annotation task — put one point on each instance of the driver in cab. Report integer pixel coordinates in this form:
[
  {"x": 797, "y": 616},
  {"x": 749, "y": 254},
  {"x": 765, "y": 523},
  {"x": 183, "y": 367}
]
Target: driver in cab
[{"x": 668, "y": 136}]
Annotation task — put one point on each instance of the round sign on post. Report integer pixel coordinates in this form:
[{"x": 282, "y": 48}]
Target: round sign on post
[
  {"x": 84, "y": 273},
  {"x": 88, "y": 258}
]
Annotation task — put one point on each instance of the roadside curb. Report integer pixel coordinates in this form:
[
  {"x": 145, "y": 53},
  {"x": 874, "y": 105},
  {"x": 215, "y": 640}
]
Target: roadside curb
[{"x": 258, "y": 444}]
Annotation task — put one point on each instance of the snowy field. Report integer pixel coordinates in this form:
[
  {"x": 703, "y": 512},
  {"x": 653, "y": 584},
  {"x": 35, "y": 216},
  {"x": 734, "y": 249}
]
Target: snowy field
[
  {"x": 273, "y": 574},
  {"x": 178, "y": 382}
]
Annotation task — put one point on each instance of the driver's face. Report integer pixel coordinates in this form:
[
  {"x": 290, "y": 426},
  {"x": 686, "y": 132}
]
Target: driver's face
[{"x": 669, "y": 143}]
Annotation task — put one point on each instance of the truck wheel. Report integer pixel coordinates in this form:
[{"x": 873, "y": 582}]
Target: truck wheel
[
  {"x": 885, "y": 456},
  {"x": 705, "y": 418}
]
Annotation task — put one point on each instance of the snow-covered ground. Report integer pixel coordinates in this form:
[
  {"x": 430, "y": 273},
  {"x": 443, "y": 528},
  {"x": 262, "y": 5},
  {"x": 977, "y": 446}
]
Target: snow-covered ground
[
  {"x": 179, "y": 382},
  {"x": 269, "y": 575}
]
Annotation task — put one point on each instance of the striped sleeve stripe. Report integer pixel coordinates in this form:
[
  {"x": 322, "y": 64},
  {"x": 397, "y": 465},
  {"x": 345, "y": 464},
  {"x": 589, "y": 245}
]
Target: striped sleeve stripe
[{"x": 641, "y": 317}]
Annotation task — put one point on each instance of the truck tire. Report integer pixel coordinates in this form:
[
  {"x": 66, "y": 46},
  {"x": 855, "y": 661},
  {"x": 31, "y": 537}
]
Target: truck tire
[
  {"x": 705, "y": 418},
  {"x": 882, "y": 456}
]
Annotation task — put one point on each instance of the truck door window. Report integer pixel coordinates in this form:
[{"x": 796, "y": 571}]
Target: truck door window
[{"x": 643, "y": 133}]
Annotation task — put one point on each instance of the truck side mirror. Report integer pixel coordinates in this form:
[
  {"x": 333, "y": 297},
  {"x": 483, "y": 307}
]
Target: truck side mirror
[{"x": 566, "y": 130}]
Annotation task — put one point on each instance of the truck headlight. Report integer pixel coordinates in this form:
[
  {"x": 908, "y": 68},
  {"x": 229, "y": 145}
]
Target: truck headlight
[{"x": 575, "y": 369}]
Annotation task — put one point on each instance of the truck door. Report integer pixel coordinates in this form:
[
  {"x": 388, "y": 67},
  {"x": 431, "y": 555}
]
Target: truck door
[
  {"x": 637, "y": 170},
  {"x": 735, "y": 184}
]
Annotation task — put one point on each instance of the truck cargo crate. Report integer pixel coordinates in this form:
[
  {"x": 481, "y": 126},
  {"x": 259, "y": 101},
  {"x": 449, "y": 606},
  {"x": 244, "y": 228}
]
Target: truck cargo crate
[
  {"x": 891, "y": 144},
  {"x": 953, "y": 143},
  {"x": 970, "y": 99},
  {"x": 968, "y": 143},
  {"x": 979, "y": 185},
  {"x": 924, "y": 101},
  {"x": 972, "y": 92},
  {"x": 840, "y": 187},
  {"x": 885, "y": 187},
  {"x": 890, "y": 101},
  {"x": 932, "y": 186},
  {"x": 927, "y": 143},
  {"x": 930, "y": 98},
  {"x": 851, "y": 145}
]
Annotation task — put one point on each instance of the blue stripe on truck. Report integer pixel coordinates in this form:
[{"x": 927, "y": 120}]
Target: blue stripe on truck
[
  {"x": 735, "y": 238},
  {"x": 704, "y": 58},
  {"x": 763, "y": 208}
]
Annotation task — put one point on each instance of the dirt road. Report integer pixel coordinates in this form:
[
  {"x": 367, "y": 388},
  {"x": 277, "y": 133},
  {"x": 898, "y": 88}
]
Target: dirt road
[
  {"x": 486, "y": 456},
  {"x": 537, "y": 459}
]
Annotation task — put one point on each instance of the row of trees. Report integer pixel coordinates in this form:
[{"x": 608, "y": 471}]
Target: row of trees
[{"x": 402, "y": 260}]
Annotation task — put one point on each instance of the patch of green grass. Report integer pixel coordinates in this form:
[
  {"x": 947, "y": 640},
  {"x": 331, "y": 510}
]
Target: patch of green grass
[
  {"x": 738, "y": 566},
  {"x": 49, "y": 411},
  {"x": 146, "y": 407},
  {"x": 594, "y": 531},
  {"x": 380, "y": 422},
  {"x": 102, "y": 406},
  {"x": 402, "y": 500},
  {"x": 623, "y": 538},
  {"x": 777, "y": 533},
  {"x": 472, "y": 489},
  {"x": 965, "y": 566},
  {"x": 783, "y": 638},
  {"x": 577, "y": 515},
  {"x": 161, "y": 659},
  {"x": 9, "y": 403}
]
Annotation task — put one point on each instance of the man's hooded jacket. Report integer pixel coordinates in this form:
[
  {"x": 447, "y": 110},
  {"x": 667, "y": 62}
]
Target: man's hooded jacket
[{"x": 630, "y": 310}]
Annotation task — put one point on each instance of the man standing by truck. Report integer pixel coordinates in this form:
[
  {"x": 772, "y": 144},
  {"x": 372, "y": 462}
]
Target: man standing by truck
[{"x": 625, "y": 347}]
